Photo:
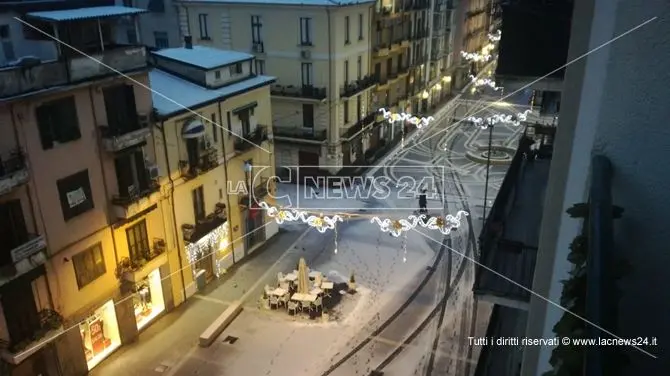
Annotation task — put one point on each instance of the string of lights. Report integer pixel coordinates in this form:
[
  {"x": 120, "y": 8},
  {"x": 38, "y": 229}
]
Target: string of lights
[
  {"x": 473, "y": 56},
  {"x": 484, "y": 123},
  {"x": 393, "y": 117},
  {"x": 478, "y": 82},
  {"x": 395, "y": 227},
  {"x": 496, "y": 36}
]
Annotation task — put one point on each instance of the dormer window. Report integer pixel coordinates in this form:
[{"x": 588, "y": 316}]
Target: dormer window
[
  {"x": 217, "y": 75},
  {"x": 236, "y": 69}
]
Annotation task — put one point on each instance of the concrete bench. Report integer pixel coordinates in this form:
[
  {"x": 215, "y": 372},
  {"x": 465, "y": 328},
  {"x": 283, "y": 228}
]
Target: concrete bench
[{"x": 220, "y": 324}]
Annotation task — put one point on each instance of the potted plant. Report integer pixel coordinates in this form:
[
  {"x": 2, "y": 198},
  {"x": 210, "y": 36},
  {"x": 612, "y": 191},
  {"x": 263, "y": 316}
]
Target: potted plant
[
  {"x": 352, "y": 282},
  {"x": 124, "y": 266},
  {"x": 183, "y": 167},
  {"x": 187, "y": 230}
]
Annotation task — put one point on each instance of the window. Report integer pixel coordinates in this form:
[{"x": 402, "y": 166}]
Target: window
[
  {"x": 346, "y": 30},
  {"x": 308, "y": 116},
  {"x": 131, "y": 174},
  {"x": 74, "y": 192},
  {"x": 132, "y": 36},
  {"x": 121, "y": 109},
  {"x": 215, "y": 129},
  {"x": 306, "y": 74},
  {"x": 360, "y": 26},
  {"x": 256, "y": 26},
  {"x": 346, "y": 72},
  {"x": 138, "y": 241},
  {"x": 13, "y": 232},
  {"x": 202, "y": 22},
  {"x": 217, "y": 75},
  {"x": 161, "y": 39},
  {"x": 359, "y": 108},
  {"x": 198, "y": 196},
  {"x": 305, "y": 31},
  {"x": 57, "y": 122},
  {"x": 346, "y": 112},
  {"x": 157, "y": 6},
  {"x": 236, "y": 69},
  {"x": 260, "y": 66},
  {"x": 89, "y": 265},
  {"x": 7, "y": 45},
  {"x": 359, "y": 67}
]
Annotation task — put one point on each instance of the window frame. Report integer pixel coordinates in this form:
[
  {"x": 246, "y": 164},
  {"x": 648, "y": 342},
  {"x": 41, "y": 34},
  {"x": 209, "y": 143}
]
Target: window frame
[
  {"x": 139, "y": 248},
  {"x": 347, "y": 31},
  {"x": 85, "y": 277},
  {"x": 306, "y": 31},
  {"x": 256, "y": 29},
  {"x": 52, "y": 131},
  {"x": 260, "y": 64},
  {"x": 203, "y": 26},
  {"x": 163, "y": 37},
  {"x": 359, "y": 67},
  {"x": 307, "y": 74},
  {"x": 360, "y": 26}
]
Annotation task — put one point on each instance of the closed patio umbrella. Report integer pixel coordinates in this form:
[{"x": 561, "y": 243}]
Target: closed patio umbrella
[{"x": 303, "y": 277}]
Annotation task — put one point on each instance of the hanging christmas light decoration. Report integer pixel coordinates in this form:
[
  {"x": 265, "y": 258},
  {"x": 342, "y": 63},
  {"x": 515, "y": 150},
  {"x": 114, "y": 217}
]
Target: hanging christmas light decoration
[
  {"x": 477, "y": 82},
  {"x": 212, "y": 241},
  {"x": 471, "y": 56},
  {"x": 397, "y": 226},
  {"x": 393, "y": 117},
  {"x": 495, "y": 37},
  {"x": 323, "y": 223},
  {"x": 484, "y": 123},
  {"x": 447, "y": 224}
]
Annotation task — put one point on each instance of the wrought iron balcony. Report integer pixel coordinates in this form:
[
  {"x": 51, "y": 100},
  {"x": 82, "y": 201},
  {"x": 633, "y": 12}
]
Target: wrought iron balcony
[
  {"x": 132, "y": 203},
  {"x": 207, "y": 160},
  {"x": 302, "y": 92},
  {"x": 13, "y": 170},
  {"x": 351, "y": 89},
  {"x": 49, "y": 326},
  {"x": 252, "y": 139},
  {"x": 359, "y": 126},
  {"x": 194, "y": 232},
  {"x": 136, "y": 132},
  {"x": 310, "y": 134},
  {"x": 136, "y": 269},
  {"x": 261, "y": 189},
  {"x": 31, "y": 74}
]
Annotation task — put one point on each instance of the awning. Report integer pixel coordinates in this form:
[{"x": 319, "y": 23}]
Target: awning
[
  {"x": 85, "y": 13},
  {"x": 193, "y": 129}
]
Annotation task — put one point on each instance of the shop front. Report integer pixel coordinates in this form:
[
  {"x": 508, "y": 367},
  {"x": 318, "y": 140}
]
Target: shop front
[
  {"x": 148, "y": 300},
  {"x": 100, "y": 334},
  {"x": 211, "y": 254}
]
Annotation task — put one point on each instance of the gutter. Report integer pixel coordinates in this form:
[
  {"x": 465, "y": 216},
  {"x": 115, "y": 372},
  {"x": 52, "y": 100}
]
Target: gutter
[
  {"x": 225, "y": 169},
  {"x": 331, "y": 85},
  {"x": 174, "y": 211}
]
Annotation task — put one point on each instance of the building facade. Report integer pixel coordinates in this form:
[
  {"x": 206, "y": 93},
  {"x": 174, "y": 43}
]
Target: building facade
[
  {"x": 158, "y": 27},
  {"x": 213, "y": 115},
  {"x": 322, "y": 64},
  {"x": 87, "y": 250}
]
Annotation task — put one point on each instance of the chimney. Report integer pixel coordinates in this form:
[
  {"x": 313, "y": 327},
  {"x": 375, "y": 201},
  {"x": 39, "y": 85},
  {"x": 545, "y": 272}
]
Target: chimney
[{"x": 188, "y": 42}]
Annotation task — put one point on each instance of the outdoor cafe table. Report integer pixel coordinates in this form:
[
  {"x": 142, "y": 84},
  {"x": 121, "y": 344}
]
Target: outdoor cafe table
[
  {"x": 291, "y": 277},
  {"x": 313, "y": 274},
  {"x": 327, "y": 285},
  {"x": 278, "y": 292},
  {"x": 315, "y": 291},
  {"x": 304, "y": 297}
]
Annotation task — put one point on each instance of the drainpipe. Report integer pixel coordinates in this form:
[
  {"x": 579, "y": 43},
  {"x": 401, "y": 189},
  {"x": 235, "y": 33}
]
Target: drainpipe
[
  {"x": 102, "y": 171},
  {"x": 174, "y": 211},
  {"x": 225, "y": 169},
  {"x": 334, "y": 138},
  {"x": 431, "y": 15}
]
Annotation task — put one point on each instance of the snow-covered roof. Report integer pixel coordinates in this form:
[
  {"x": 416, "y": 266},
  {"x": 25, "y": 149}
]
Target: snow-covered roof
[
  {"x": 182, "y": 93},
  {"x": 85, "y": 13},
  {"x": 203, "y": 57},
  {"x": 320, "y": 3}
]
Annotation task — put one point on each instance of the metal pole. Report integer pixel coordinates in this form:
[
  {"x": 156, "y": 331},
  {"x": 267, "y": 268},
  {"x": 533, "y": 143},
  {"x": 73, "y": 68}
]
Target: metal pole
[{"x": 488, "y": 168}]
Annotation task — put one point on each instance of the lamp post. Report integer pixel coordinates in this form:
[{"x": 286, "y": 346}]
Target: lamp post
[{"x": 488, "y": 168}]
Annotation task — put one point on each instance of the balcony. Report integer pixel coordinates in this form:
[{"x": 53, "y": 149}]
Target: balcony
[
  {"x": 305, "y": 92},
  {"x": 194, "y": 232},
  {"x": 262, "y": 187},
  {"x": 27, "y": 256},
  {"x": 355, "y": 129},
  {"x": 31, "y": 75},
  {"x": 13, "y": 171},
  {"x": 135, "y": 270},
  {"x": 207, "y": 160},
  {"x": 510, "y": 237},
  {"x": 130, "y": 204},
  {"x": 381, "y": 50},
  {"x": 351, "y": 89},
  {"x": 299, "y": 134},
  {"x": 251, "y": 140},
  {"x": 420, "y": 34},
  {"x": 115, "y": 139},
  {"x": 50, "y": 326},
  {"x": 403, "y": 71}
]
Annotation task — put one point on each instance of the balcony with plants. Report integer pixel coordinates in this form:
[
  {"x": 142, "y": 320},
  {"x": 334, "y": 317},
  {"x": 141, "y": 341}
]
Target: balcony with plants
[
  {"x": 304, "y": 92},
  {"x": 202, "y": 157},
  {"x": 134, "y": 269},
  {"x": 353, "y": 88},
  {"x": 13, "y": 170},
  {"x": 192, "y": 232},
  {"x": 251, "y": 140},
  {"x": 138, "y": 184},
  {"x": 37, "y": 330}
]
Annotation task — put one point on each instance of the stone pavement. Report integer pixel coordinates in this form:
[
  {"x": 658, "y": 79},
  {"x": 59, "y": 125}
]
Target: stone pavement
[{"x": 167, "y": 340}]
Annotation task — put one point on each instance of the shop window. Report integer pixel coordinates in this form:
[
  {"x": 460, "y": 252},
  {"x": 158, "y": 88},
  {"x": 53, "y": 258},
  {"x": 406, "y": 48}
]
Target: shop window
[
  {"x": 100, "y": 334},
  {"x": 148, "y": 299},
  {"x": 75, "y": 194},
  {"x": 57, "y": 122},
  {"x": 138, "y": 241},
  {"x": 89, "y": 265}
]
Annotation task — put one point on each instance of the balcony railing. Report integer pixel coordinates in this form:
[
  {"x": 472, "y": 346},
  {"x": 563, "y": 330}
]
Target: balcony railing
[
  {"x": 251, "y": 140},
  {"x": 300, "y": 133},
  {"x": 207, "y": 160},
  {"x": 359, "y": 126},
  {"x": 50, "y": 325},
  {"x": 129, "y": 198},
  {"x": 115, "y": 139},
  {"x": 131, "y": 269},
  {"x": 304, "y": 92},
  {"x": 351, "y": 89},
  {"x": 421, "y": 33},
  {"x": 261, "y": 189},
  {"x": 13, "y": 170},
  {"x": 194, "y": 232},
  {"x": 33, "y": 75}
]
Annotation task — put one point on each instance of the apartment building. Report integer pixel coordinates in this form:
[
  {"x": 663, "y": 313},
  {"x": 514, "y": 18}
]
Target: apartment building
[
  {"x": 319, "y": 52},
  {"x": 85, "y": 247},
  {"x": 214, "y": 141},
  {"x": 601, "y": 225},
  {"x": 476, "y": 29},
  {"x": 158, "y": 27}
]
